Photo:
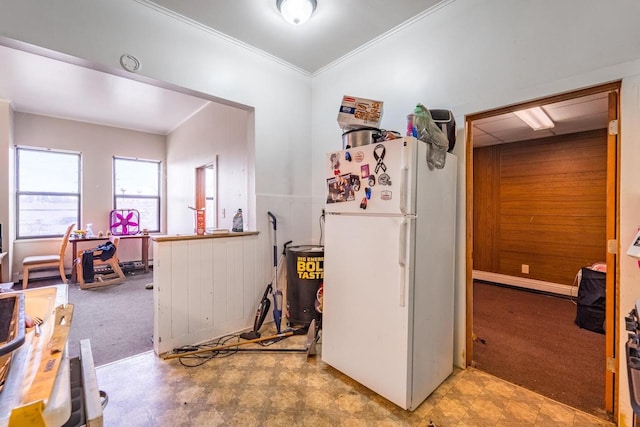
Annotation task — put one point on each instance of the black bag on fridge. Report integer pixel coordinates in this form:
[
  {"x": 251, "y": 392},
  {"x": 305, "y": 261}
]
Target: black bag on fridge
[
  {"x": 590, "y": 312},
  {"x": 447, "y": 124}
]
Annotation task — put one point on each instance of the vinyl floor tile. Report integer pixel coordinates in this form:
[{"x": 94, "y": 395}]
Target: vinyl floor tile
[{"x": 287, "y": 389}]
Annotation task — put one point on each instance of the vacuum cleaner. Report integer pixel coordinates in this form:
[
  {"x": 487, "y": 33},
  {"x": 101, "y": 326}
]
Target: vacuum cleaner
[
  {"x": 276, "y": 294},
  {"x": 261, "y": 313}
]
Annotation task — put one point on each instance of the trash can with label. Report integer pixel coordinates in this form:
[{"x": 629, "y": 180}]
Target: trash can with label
[{"x": 305, "y": 284}]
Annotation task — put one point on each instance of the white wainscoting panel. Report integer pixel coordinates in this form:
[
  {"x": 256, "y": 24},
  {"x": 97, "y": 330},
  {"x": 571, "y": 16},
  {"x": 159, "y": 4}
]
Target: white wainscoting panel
[{"x": 203, "y": 289}]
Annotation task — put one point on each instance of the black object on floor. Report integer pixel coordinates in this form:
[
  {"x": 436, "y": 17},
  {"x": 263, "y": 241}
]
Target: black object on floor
[
  {"x": 87, "y": 266},
  {"x": 590, "y": 313},
  {"x": 261, "y": 313}
]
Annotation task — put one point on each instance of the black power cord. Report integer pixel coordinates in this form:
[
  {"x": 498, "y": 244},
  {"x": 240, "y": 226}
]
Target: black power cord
[
  {"x": 321, "y": 222},
  {"x": 193, "y": 360},
  {"x": 203, "y": 356}
]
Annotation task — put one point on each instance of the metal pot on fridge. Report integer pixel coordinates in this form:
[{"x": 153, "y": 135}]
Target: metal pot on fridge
[{"x": 360, "y": 136}]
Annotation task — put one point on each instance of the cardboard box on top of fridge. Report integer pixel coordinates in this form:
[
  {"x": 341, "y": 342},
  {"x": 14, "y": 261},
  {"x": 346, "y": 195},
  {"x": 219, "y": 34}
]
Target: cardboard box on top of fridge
[{"x": 359, "y": 112}]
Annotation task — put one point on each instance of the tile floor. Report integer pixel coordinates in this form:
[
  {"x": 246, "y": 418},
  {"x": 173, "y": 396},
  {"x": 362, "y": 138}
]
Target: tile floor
[{"x": 287, "y": 389}]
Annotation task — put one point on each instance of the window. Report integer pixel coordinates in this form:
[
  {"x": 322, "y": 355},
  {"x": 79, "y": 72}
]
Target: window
[
  {"x": 47, "y": 192},
  {"x": 136, "y": 185}
]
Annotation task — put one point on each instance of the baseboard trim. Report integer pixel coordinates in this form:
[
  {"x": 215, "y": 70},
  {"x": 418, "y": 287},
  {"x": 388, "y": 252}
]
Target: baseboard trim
[{"x": 522, "y": 282}]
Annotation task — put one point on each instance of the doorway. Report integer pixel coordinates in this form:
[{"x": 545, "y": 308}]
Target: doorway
[
  {"x": 584, "y": 113},
  {"x": 159, "y": 109},
  {"x": 206, "y": 196}
]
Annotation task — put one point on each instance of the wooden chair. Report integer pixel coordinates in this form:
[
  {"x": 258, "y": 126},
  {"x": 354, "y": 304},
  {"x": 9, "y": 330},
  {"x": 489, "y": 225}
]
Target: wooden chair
[
  {"x": 38, "y": 262},
  {"x": 2, "y": 255},
  {"x": 112, "y": 277}
]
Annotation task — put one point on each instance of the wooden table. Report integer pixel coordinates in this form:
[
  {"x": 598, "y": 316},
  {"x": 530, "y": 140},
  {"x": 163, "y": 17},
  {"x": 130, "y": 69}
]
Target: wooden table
[{"x": 145, "y": 249}]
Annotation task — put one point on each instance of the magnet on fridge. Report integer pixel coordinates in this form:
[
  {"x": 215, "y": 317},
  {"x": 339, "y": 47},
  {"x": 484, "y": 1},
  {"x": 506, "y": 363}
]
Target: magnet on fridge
[
  {"x": 363, "y": 203},
  {"x": 336, "y": 172},
  {"x": 372, "y": 180},
  {"x": 367, "y": 192},
  {"x": 355, "y": 182},
  {"x": 385, "y": 195},
  {"x": 347, "y": 156},
  {"x": 335, "y": 161},
  {"x": 384, "y": 179}
]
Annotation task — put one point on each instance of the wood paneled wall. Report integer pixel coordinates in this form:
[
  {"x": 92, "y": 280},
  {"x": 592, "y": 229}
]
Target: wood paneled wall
[{"x": 541, "y": 203}]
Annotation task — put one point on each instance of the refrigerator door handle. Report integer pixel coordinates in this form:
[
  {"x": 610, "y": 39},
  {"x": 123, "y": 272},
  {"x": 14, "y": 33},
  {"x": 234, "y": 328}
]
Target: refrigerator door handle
[
  {"x": 404, "y": 190},
  {"x": 402, "y": 259}
]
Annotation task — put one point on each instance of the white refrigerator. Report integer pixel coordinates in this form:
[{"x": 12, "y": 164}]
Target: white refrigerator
[{"x": 389, "y": 269}]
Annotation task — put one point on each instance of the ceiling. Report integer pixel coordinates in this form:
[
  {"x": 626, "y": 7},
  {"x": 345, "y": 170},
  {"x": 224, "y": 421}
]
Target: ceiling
[
  {"x": 571, "y": 116},
  {"x": 336, "y": 27},
  {"x": 45, "y": 86},
  {"x": 39, "y": 85}
]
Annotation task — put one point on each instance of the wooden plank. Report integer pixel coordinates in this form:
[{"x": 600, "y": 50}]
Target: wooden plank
[
  {"x": 541, "y": 203},
  {"x": 181, "y": 237},
  {"x": 180, "y": 287},
  {"x": 470, "y": 246},
  {"x": 250, "y": 277},
  {"x": 51, "y": 357},
  {"x": 162, "y": 289},
  {"x": 220, "y": 280},
  {"x": 205, "y": 293},
  {"x": 195, "y": 263},
  {"x": 486, "y": 204},
  {"x": 28, "y": 415},
  {"x": 613, "y": 292}
]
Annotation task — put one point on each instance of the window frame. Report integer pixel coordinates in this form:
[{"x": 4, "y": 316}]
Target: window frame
[
  {"x": 19, "y": 193},
  {"x": 158, "y": 197}
]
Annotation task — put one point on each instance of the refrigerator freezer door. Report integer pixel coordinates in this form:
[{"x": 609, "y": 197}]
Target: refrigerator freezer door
[
  {"x": 373, "y": 179},
  {"x": 434, "y": 273},
  {"x": 366, "y": 327}
]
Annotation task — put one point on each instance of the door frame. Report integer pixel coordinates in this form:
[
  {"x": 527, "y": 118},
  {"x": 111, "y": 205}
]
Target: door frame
[{"x": 612, "y": 225}]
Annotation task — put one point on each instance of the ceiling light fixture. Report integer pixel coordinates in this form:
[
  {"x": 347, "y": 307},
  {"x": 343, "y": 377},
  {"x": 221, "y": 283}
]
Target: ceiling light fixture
[
  {"x": 296, "y": 12},
  {"x": 536, "y": 118}
]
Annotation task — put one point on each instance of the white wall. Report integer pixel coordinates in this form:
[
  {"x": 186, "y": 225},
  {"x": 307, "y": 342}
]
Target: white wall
[
  {"x": 216, "y": 130},
  {"x": 98, "y": 144},
  {"x": 468, "y": 56},
  {"x": 174, "y": 51},
  {"x": 471, "y": 56},
  {"x": 7, "y": 214},
  {"x": 629, "y": 223}
]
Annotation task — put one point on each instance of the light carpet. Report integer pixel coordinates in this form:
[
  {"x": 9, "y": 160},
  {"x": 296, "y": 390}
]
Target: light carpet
[{"x": 117, "y": 319}]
